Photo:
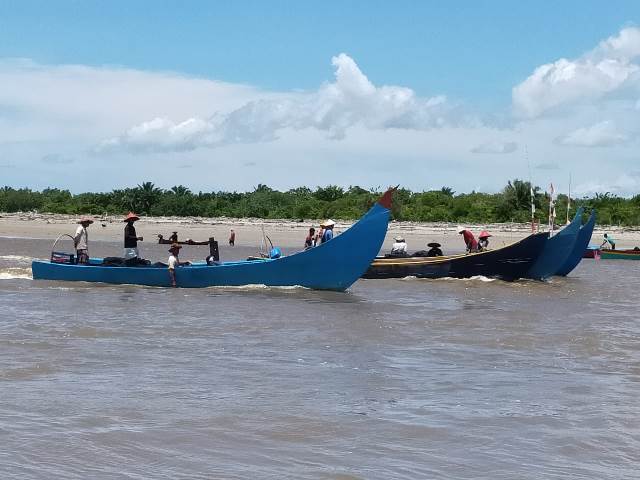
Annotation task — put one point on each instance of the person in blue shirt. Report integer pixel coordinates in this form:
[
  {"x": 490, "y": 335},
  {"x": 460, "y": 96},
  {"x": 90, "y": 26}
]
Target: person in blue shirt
[
  {"x": 328, "y": 230},
  {"x": 609, "y": 239}
]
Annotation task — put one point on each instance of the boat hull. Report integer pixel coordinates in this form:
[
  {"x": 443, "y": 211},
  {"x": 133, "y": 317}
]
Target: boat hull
[
  {"x": 557, "y": 250},
  {"x": 584, "y": 237},
  {"x": 334, "y": 265},
  {"x": 507, "y": 263},
  {"x": 606, "y": 254}
]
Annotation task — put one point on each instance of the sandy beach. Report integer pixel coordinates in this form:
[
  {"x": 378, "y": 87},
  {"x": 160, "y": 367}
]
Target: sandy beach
[{"x": 285, "y": 233}]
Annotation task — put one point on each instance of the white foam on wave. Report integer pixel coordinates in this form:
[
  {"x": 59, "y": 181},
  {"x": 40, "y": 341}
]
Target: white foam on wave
[
  {"x": 257, "y": 286},
  {"x": 16, "y": 257},
  {"x": 476, "y": 278}
]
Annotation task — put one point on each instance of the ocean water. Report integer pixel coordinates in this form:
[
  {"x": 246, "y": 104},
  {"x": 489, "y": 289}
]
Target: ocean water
[{"x": 394, "y": 379}]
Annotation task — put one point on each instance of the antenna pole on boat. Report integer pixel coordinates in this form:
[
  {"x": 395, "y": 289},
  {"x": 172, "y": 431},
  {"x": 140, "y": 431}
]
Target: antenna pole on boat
[{"x": 533, "y": 205}]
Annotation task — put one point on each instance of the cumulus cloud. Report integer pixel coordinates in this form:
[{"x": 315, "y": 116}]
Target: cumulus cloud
[
  {"x": 606, "y": 69},
  {"x": 601, "y": 134},
  {"x": 352, "y": 99},
  {"x": 496, "y": 147}
]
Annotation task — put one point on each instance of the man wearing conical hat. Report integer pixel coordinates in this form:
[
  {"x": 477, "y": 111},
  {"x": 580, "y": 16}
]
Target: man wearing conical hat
[
  {"x": 131, "y": 238},
  {"x": 81, "y": 240}
]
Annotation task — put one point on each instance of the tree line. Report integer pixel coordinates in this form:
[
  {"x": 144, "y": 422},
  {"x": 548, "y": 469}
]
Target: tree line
[{"x": 512, "y": 204}]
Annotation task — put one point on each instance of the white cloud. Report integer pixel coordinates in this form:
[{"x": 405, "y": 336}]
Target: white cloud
[
  {"x": 601, "y": 134},
  {"x": 351, "y": 100},
  {"x": 626, "y": 184},
  {"x": 606, "y": 69},
  {"x": 496, "y": 147}
]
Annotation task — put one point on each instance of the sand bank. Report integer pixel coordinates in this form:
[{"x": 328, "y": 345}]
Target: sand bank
[{"x": 285, "y": 233}]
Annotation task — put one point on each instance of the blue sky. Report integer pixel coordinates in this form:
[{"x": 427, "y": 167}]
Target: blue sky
[{"x": 251, "y": 61}]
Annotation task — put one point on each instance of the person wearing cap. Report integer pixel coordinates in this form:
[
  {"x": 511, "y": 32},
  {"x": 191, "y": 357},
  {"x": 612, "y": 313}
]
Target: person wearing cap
[
  {"x": 327, "y": 234},
  {"x": 81, "y": 240},
  {"x": 131, "y": 238},
  {"x": 469, "y": 240},
  {"x": 483, "y": 240},
  {"x": 399, "y": 248},
  {"x": 174, "y": 262}
]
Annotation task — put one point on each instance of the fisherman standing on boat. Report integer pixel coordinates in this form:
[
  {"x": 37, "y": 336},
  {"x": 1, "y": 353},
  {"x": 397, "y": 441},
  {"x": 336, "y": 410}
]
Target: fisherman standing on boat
[
  {"x": 131, "y": 238},
  {"x": 469, "y": 240},
  {"x": 328, "y": 230},
  {"x": 310, "y": 241},
  {"x": 608, "y": 239},
  {"x": 81, "y": 241}
]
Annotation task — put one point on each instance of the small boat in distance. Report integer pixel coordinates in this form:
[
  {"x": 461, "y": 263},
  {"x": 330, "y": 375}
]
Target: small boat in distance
[
  {"x": 631, "y": 254},
  {"x": 334, "y": 265},
  {"x": 506, "y": 263}
]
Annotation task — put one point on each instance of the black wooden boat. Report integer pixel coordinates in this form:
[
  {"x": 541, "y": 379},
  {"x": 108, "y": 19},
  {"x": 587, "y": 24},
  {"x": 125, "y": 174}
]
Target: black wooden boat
[
  {"x": 188, "y": 241},
  {"x": 507, "y": 263}
]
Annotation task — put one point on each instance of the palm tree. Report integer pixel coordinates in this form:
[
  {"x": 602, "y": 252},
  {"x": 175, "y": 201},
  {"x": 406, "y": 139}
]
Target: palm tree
[
  {"x": 147, "y": 195},
  {"x": 180, "y": 190}
]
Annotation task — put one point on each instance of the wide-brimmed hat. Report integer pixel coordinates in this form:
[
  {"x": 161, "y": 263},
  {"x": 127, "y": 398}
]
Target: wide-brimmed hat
[
  {"x": 131, "y": 216},
  {"x": 174, "y": 246},
  {"x": 85, "y": 219},
  {"x": 461, "y": 229},
  {"x": 484, "y": 234},
  {"x": 328, "y": 223},
  {"x": 434, "y": 245},
  {"x": 399, "y": 238}
]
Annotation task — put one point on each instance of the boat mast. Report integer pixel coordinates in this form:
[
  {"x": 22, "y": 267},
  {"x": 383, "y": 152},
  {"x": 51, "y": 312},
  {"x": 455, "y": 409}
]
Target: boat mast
[
  {"x": 552, "y": 207},
  {"x": 569, "y": 200},
  {"x": 533, "y": 205}
]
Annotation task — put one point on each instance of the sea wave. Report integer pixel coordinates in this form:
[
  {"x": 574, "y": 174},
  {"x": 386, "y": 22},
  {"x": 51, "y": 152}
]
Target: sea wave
[
  {"x": 475, "y": 278},
  {"x": 15, "y": 273},
  {"x": 16, "y": 257}
]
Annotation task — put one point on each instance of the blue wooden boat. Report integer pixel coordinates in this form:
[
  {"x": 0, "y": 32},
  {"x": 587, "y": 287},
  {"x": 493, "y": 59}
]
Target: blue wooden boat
[
  {"x": 557, "y": 250},
  {"x": 507, "y": 263},
  {"x": 334, "y": 265},
  {"x": 584, "y": 237}
]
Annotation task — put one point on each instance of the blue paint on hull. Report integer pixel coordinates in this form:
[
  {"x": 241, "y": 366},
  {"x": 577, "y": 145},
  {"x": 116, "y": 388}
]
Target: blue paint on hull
[
  {"x": 334, "y": 265},
  {"x": 584, "y": 237},
  {"x": 557, "y": 250}
]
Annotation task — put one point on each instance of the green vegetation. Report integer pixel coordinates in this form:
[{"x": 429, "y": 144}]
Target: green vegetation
[{"x": 512, "y": 204}]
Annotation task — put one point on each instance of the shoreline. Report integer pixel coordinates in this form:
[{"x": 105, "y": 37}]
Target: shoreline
[{"x": 283, "y": 232}]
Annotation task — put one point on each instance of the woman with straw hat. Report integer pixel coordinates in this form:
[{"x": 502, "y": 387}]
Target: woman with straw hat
[
  {"x": 81, "y": 240},
  {"x": 131, "y": 238}
]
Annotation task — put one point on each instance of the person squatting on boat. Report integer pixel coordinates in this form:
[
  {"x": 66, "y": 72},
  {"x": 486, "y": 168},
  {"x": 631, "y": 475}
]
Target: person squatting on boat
[
  {"x": 131, "y": 238},
  {"x": 469, "y": 240},
  {"x": 608, "y": 239},
  {"x": 81, "y": 240},
  {"x": 327, "y": 227},
  {"x": 310, "y": 241},
  {"x": 483, "y": 240},
  {"x": 399, "y": 248},
  {"x": 174, "y": 262}
]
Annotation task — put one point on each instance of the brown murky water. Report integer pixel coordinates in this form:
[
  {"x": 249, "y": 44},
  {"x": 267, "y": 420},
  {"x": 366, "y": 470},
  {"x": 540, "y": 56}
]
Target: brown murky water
[{"x": 395, "y": 379}]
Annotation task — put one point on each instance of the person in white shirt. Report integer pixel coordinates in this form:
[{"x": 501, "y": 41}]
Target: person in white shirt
[
  {"x": 174, "y": 262},
  {"x": 399, "y": 248},
  {"x": 81, "y": 241}
]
